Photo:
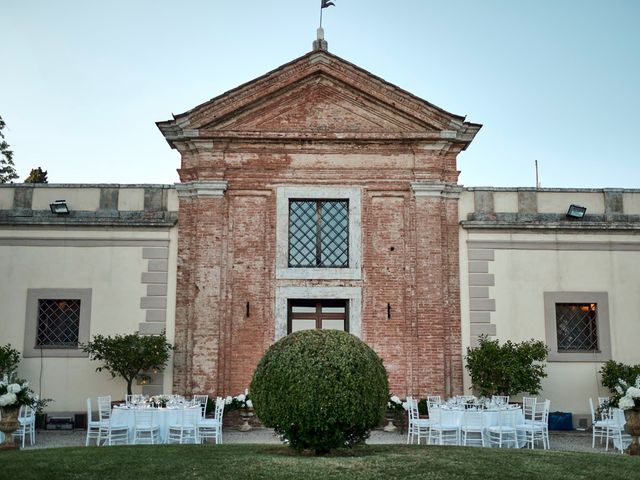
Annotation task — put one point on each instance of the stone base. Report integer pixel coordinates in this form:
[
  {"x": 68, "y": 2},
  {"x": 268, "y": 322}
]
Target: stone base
[{"x": 9, "y": 446}]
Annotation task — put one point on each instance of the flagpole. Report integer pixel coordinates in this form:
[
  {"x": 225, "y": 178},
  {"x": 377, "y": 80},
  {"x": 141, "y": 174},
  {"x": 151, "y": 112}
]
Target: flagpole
[{"x": 321, "y": 13}]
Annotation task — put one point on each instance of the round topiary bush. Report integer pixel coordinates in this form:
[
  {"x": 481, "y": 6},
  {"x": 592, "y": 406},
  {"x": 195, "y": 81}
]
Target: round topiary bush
[{"x": 320, "y": 389}]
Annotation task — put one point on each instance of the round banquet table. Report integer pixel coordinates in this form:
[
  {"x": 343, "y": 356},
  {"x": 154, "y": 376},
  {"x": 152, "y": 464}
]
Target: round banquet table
[{"x": 163, "y": 417}]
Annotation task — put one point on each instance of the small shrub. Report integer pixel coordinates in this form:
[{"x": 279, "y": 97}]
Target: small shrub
[
  {"x": 613, "y": 371},
  {"x": 9, "y": 359},
  {"x": 320, "y": 390},
  {"x": 507, "y": 369}
]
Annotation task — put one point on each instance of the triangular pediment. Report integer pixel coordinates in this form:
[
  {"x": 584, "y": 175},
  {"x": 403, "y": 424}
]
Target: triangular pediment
[
  {"x": 319, "y": 104},
  {"x": 318, "y": 95}
]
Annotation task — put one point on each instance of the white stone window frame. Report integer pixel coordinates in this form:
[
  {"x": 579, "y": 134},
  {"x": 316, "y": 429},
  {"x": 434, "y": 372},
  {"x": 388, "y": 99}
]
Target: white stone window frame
[
  {"x": 354, "y": 196},
  {"x": 31, "y": 350},
  {"x": 604, "y": 333},
  {"x": 352, "y": 294}
]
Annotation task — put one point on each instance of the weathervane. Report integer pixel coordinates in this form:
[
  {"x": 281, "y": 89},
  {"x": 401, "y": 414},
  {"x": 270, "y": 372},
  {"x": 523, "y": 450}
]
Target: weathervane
[{"x": 320, "y": 43}]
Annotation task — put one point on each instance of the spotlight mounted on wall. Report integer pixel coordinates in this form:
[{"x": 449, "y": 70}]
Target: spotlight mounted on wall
[
  {"x": 576, "y": 211},
  {"x": 59, "y": 207}
]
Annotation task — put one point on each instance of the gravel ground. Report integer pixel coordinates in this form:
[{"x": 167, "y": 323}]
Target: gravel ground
[{"x": 560, "y": 441}]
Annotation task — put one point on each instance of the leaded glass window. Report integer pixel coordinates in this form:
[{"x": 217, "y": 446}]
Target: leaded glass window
[
  {"x": 319, "y": 233},
  {"x": 577, "y": 327},
  {"x": 58, "y": 323}
]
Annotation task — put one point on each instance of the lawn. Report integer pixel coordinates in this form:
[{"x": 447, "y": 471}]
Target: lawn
[{"x": 277, "y": 462}]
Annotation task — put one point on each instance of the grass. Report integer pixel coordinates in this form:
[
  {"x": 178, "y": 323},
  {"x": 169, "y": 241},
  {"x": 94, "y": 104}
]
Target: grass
[{"x": 277, "y": 462}]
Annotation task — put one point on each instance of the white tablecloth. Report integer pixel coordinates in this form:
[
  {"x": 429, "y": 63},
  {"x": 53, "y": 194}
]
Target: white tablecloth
[
  {"x": 618, "y": 417},
  {"x": 163, "y": 418},
  {"x": 491, "y": 417}
]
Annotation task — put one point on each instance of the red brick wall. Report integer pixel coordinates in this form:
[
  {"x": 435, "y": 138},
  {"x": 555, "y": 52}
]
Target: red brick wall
[
  {"x": 227, "y": 258},
  {"x": 386, "y": 140}
]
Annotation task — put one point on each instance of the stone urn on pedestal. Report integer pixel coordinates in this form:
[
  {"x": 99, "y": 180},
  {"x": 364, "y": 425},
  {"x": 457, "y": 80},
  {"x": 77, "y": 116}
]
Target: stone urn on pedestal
[
  {"x": 632, "y": 427},
  {"x": 390, "y": 427},
  {"x": 245, "y": 415},
  {"x": 9, "y": 424}
]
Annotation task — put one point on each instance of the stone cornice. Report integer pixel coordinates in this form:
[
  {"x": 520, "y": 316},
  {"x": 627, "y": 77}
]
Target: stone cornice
[
  {"x": 202, "y": 189},
  {"x": 446, "y": 190},
  {"x": 487, "y": 225},
  {"x": 114, "y": 218},
  {"x": 446, "y": 135}
]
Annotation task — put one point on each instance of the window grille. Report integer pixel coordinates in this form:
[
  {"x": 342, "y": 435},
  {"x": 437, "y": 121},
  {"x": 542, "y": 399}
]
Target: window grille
[
  {"x": 58, "y": 323},
  {"x": 319, "y": 233},
  {"x": 577, "y": 327}
]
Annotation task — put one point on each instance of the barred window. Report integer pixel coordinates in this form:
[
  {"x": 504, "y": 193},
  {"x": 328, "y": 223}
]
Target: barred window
[
  {"x": 58, "y": 323},
  {"x": 319, "y": 233},
  {"x": 577, "y": 327}
]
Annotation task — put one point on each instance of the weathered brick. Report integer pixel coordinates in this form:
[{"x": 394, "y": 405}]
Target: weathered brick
[{"x": 227, "y": 243}]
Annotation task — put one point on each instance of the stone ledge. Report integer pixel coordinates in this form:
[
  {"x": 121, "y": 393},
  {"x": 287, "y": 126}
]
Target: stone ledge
[
  {"x": 540, "y": 225},
  {"x": 89, "y": 218}
]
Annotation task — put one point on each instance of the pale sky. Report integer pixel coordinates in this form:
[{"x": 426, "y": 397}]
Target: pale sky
[{"x": 82, "y": 82}]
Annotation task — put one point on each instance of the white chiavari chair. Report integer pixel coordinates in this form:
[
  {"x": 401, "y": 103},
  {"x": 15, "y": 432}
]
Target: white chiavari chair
[
  {"x": 473, "y": 423},
  {"x": 109, "y": 432},
  {"x": 146, "y": 429},
  {"x": 212, "y": 427},
  {"x": 202, "y": 401},
  {"x": 505, "y": 433},
  {"x": 528, "y": 408},
  {"x": 614, "y": 429},
  {"x": 27, "y": 424},
  {"x": 418, "y": 427},
  {"x": 536, "y": 428},
  {"x": 93, "y": 426},
  {"x": 441, "y": 432},
  {"x": 185, "y": 430},
  {"x": 599, "y": 424}
]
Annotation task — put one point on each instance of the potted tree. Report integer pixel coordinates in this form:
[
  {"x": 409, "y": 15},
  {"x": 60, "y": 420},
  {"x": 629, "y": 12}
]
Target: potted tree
[{"x": 129, "y": 356}]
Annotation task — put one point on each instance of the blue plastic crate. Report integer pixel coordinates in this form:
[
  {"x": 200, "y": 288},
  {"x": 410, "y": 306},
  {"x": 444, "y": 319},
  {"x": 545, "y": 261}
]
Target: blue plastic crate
[{"x": 560, "y": 421}]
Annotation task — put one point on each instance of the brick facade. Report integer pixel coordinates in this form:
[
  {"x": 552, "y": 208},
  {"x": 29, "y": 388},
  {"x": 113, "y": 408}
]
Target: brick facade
[{"x": 318, "y": 121}]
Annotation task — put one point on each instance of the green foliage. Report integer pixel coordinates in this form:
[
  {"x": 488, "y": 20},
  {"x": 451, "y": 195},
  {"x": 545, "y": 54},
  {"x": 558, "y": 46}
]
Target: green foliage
[
  {"x": 320, "y": 390},
  {"x": 507, "y": 369},
  {"x": 423, "y": 407},
  {"x": 37, "y": 175},
  {"x": 128, "y": 356},
  {"x": 613, "y": 371},
  {"x": 7, "y": 168},
  {"x": 9, "y": 359}
]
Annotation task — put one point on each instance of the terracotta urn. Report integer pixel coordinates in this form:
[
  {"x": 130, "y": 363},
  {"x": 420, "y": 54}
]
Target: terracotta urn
[
  {"x": 9, "y": 424},
  {"x": 632, "y": 427}
]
